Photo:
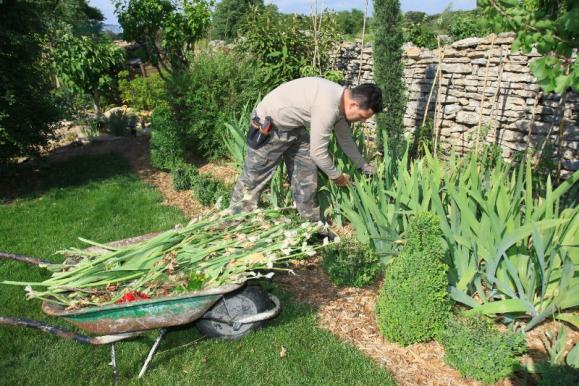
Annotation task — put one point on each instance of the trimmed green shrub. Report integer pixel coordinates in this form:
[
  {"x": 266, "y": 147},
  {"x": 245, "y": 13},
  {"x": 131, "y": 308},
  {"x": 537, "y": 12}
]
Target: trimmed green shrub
[
  {"x": 208, "y": 190},
  {"x": 479, "y": 351},
  {"x": 350, "y": 263},
  {"x": 166, "y": 145},
  {"x": 183, "y": 176},
  {"x": 413, "y": 305}
]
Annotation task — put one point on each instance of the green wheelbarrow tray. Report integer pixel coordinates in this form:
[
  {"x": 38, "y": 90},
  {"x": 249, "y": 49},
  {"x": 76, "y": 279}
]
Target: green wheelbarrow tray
[{"x": 142, "y": 315}]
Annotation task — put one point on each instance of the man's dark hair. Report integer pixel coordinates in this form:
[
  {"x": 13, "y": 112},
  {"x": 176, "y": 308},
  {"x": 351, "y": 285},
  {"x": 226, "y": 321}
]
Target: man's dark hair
[{"x": 368, "y": 96}]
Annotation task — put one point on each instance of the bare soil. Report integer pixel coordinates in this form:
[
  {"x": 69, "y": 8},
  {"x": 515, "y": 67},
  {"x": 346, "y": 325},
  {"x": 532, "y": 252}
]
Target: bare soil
[{"x": 346, "y": 312}]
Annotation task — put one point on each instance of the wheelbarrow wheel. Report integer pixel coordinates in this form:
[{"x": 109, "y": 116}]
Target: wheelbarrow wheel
[{"x": 250, "y": 300}]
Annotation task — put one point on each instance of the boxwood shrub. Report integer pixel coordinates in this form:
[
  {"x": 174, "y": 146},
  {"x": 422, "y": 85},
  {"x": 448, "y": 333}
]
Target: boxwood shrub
[
  {"x": 413, "y": 305},
  {"x": 479, "y": 351},
  {"x": 183, "y": 175},
  {"x": 350, "y": 263},
  {"x": 208, "y": 190}
]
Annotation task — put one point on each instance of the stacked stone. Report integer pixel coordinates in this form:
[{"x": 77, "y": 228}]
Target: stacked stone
[
  {"x": 485, "y": 91},
  {"x": 349, "y": 61}
]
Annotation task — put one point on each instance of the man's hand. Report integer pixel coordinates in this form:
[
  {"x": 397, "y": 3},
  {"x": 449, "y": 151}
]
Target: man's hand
[
  {"x": 368, "y": 170},
  {"x": 342, "y": 180}
]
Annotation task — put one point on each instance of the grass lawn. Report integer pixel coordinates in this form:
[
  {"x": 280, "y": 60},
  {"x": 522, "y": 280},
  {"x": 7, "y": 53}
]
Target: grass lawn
[{"x": 100, "y": 199}]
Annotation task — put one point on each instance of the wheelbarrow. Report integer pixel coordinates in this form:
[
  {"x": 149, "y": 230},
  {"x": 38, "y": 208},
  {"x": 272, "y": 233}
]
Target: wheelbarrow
[{"x": 227, "y": 312}]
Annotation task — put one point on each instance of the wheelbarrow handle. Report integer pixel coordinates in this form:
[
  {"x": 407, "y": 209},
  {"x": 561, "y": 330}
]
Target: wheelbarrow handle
[
  {"x": 237, "y": 323},
  {"x": 103, "y": 339},
  {"x": 262, "y": 315},
  {"x": 24, "y": 259}
]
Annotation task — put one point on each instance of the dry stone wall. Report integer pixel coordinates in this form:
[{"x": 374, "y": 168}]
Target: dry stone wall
[{"x": 483, "y": 88}]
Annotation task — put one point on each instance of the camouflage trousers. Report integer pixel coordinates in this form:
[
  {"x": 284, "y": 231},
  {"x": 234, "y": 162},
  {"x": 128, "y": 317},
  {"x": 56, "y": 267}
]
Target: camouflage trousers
[{"x": 294, "y": 148}]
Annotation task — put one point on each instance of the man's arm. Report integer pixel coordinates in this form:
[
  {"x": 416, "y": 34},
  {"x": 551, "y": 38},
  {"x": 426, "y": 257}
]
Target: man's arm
[
  {"x": 347, "y": 144},
  {"x": 321, "y": 130}
]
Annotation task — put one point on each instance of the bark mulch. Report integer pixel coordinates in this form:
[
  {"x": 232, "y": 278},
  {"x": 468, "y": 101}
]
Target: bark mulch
[
  {"x": 346, "y": 312},
  {"x": 349, "y": 314}
]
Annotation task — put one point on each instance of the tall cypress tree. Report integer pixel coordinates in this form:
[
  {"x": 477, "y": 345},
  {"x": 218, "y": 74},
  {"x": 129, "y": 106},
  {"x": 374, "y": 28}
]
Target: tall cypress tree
[{"x": 388, "y": 69}]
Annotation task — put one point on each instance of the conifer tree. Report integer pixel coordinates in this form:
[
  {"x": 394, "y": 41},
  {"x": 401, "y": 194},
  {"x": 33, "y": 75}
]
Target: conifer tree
[{"x": 388, "y": 69}]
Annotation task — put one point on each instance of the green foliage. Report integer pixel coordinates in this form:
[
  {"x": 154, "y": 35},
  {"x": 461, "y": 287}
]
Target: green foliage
[
  {"x": 467, "y": 25},
  {"x": 350, "y": 263},
  {"x": 351, "y": 22},
  {"x": 422, "y": 29},
  {"x": 27, "y": 107},
  {"x": 234, "y": 137},
  {"x": 388, "y": 69},
  {"x": 167, "y": 29},
  {"x": 506, "y": 241},
  {"x": 563, "y": 365},
  {"x": 423, "y": 139},
  {"x": 479, "y": 351},
  {"x": 184, "y": 175},
  {"x": 284, "y": 48},
  {"x": 420, "y": 35},
  {"x": 551, "y": 27},
  {"x": 209, "y": 190},
  {"x": 84, "y": 19},
  {"x": 203, "y": 97},
  {"x": 559, "y": 375},
  {"x": 120, "y": 122},
  {"x": 166, "y": 144},
  {"x": 414, "y": 17},
  {"x": 142, "y": 93},
  {"x": 86, "y": 65},
  {"x": 413, "y": 305},
  {"x": 230, "y": 15}
]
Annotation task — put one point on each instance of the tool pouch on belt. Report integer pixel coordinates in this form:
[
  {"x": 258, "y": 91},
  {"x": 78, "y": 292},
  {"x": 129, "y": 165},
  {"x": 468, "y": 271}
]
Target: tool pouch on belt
[{"x": 259, "y": 132}]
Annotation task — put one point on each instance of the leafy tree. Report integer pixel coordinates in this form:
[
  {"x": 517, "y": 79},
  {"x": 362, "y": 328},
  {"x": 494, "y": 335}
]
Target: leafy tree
[
  {"x": 86, "y": 64},
  {"x": 552, "y": 26},
  {"x": 27, "y": 107},
  {"x": 166, "y": 29},
  {"x": 350, "y": 22},
  {"x": 388, "y": 70},
  {"x": 230, "y": 15}
]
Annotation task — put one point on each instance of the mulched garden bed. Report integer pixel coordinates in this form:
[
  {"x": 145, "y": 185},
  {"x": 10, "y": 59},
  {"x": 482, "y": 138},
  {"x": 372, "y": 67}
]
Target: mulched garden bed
[
  {"x": 349, "y": 314},
  {"x": 346, "y": 312}
]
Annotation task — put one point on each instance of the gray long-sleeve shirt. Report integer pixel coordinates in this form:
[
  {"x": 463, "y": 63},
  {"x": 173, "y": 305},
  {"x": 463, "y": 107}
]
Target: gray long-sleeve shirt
[{"x": 313, "y": 103}]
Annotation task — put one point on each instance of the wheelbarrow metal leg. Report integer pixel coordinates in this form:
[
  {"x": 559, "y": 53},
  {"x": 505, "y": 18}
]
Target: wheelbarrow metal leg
[
  {"x": 152, "y": 352},
  {"x": 114, "y": 365}
]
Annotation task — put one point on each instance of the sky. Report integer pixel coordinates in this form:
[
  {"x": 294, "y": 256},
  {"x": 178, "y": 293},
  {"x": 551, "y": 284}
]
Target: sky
[{"x": 304, "y": 6}]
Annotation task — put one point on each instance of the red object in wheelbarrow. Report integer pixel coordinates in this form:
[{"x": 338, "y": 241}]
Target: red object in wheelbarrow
[{"x": 228, "y": 312}]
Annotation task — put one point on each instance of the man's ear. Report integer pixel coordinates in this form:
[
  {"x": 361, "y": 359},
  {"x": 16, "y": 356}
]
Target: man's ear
[{"x": 353, "y": 103}]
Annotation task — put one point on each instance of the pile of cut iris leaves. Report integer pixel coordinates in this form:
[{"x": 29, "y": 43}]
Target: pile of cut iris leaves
[{"x": 211, "y": 251}]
